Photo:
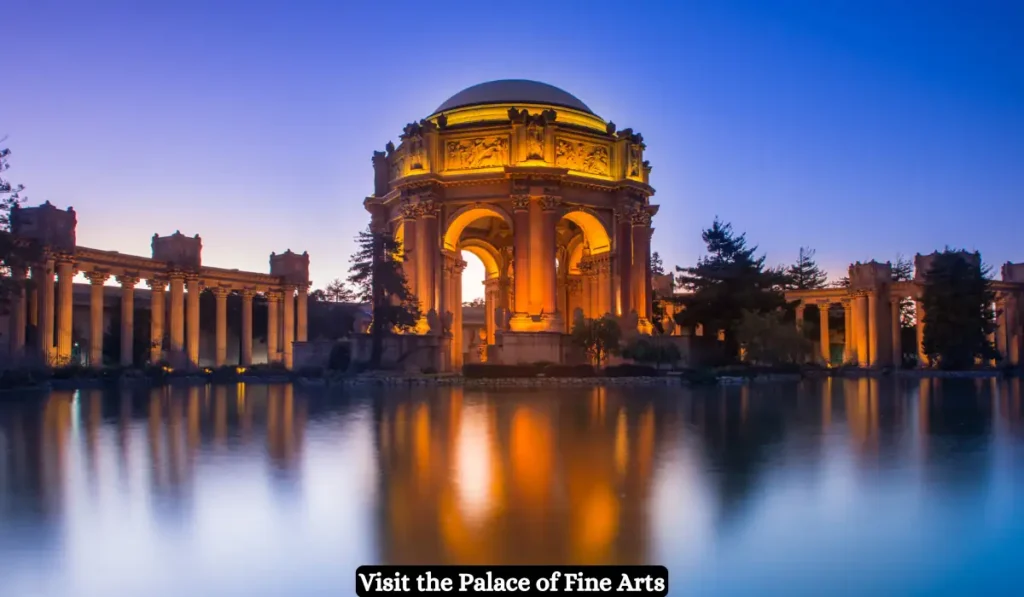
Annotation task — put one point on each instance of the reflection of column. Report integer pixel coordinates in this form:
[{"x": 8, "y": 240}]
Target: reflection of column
[
  {"x": 624, "y": 260},
  {"x": 96, "y": 281},
  {"x": 427, "y": 251},
  {"x": 221, "y": 334},
  {"x": 65, "y": 309},
  {"x": 641, "y": 263},
  {"x": 42, "y": 277},
  {"x": 273, "y": 300},
  {"x": 897, "y": 339},
  {"x": 800, "y": 316},
  {"x": 521, "y": 244},
  {"x": 194, "y": 288},
  {"x": 826, "y": 345},
  {"x": 922, "y": 358},
  {"x": 873, "y": 343},
  {"x": 177, "y": 332},
  {"x": 849, "y": 354},
  {"x": 301, "y": 302},
  {"x": 548, "y": 275},
  {"x": 128, "y": 283},
  {"x": 246, "y": 356},
  {"x": 288, "y": 317},
  {"x": 18, "y": 313},
  {"x": 860, "y": 317},
  {"x": 157, "y": 310}
]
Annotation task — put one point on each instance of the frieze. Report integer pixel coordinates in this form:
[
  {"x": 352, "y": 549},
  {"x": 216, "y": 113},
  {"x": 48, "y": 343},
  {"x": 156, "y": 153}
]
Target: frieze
[
  {"x": 476, "y": 153},
  {"x": 582, "y": 157}
]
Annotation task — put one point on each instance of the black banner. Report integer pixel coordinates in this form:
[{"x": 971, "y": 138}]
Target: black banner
[{"x": 516, "y": 580}]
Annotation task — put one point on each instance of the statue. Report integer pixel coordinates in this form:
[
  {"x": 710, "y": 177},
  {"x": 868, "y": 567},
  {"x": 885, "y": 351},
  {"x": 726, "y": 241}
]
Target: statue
[
  {"x": 534, "y": 142},
  {"x": 446, "y": 322},
  {"x": 434, "y": 323},
  {"x": 577, "y": 317}
]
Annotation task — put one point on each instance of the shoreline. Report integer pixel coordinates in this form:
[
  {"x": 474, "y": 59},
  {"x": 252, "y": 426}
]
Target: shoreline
[{"x": 381, "y": 379}]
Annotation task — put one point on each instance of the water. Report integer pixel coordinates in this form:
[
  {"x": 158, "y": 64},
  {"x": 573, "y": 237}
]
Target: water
[{"x": 848, "y": 487}]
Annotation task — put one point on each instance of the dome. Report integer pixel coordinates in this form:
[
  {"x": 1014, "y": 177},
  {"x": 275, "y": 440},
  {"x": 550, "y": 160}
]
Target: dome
[{"x": 513, "y": 91}]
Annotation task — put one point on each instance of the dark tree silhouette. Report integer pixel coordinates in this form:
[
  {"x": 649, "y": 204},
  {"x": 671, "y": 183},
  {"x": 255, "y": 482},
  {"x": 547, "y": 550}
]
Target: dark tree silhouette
[
  {"x": 378, "y": 280},
  {"x": 805, "y": 273},
  {"x": 727, "y": 281},
  {"x": 958, "y": 315},
  {"x": 657, "y": 268},
  {"x": 13, "y": 253}
]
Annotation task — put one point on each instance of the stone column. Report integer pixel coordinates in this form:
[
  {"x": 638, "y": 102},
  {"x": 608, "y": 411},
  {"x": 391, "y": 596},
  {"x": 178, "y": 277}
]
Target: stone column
[
  {"x": 96, "y": 281},
  {"x": 192, "y": 309},
  {"x": 288, "y": 318},
  {"x": 849, "y": 350},
  {"x": 605, "y": 287},
  {"x": 302, "y": 320},
  {"x": 458, "y": 340},
  {"x": 548, "y": 205},
  {"x": 19, "y": 311},
  {"x": 860, "y": 319},
  {"x": 1001, "y": 344},
  {"x": 521, "y": 244},
  {"x": 641, "y": 232},
  {"x": 624, "y": 260},
  {"x": 127, "y": 283},
  {"x": 873, "y": 344},
  {"x": 65, "y": 309},
  {"x": 42, "y": 277},
  {"x": 158, "y": 309},
  {"x": 824, "y": 339},
  {"x": 220, "y": 295},
  {"x": 246, "y": 356},
  {"x": 800, "y": 316},
  {"x": 410, "y": 248},
  {"x": 1014, "y": 333},
  {"x": 427, "y": 251},
  {"x": 490, "y": 304},
  {"x": 897, "y": 339},
  {"x": 177, "y": 331},
  {"x": 922, "y": 358},
  {"x": 273, "y": 301}
]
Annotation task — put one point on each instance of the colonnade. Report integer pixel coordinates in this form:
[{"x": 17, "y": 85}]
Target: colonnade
[{"x": 47, "y": 305}]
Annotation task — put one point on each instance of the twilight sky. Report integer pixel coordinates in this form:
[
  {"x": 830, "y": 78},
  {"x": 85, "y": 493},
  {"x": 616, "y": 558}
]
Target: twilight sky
[{"x": 860, "y": 128}]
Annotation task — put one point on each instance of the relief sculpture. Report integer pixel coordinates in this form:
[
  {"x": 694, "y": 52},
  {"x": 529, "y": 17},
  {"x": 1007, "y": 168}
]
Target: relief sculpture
[
  {"x": 583, "y": 157},
  {"x": 470, "y": 154}
]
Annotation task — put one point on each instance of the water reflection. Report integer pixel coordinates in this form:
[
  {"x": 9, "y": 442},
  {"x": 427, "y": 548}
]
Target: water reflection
[{"x": 837, "y": 481}]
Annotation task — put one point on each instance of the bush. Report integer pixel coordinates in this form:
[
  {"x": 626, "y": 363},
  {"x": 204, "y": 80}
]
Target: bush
[
  {"x": 340, "y": 357},
  {"x": 495, "y": 371},
  {"x": 20, "y": 378}
]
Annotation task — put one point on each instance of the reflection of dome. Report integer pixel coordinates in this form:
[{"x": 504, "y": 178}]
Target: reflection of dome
[{"x": 513, "y": 91}]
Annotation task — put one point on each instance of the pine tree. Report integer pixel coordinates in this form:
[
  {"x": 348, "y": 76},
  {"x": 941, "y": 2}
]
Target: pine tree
[
  {"x": 805, "y": 273},
  {"x": 958, "y": 315},
  {"x": 13, "y": 253},
  {"x": 657, "y": 268},
  {"x": 378, "y": 279},
  {"x": 727, "y": 281}
]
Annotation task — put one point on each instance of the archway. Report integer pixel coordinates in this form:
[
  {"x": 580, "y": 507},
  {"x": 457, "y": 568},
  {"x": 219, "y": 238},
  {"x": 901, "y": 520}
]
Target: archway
[
  {"x": 483, "y": 232},
  {"x": 594, "y": 231},
  {"x": 584, "y": 280}
]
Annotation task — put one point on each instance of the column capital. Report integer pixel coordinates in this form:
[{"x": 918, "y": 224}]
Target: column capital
[
  {"x": 97, "y": 278},
  {"x": 273, "y": 295},
  {"x": 520, "y": 202},
  {"x": 303, "y": 288},
  {"x": 157, "y": 284},
  {"x": 247, "y": 293},
  {"x": 220, "y": 291},
  {"x": 60, "y": 257},
  {"x": 826, "y": 303},
  {"x": 176, "y": 274},
  {"x": 408, "y": 210},
  {"x": 640, "y": 219},
  {"x": 427, "y": 208},
  {"x": 127, "y": 280},
  {"x": 549, "y": 202},
  {"x": 192, "y": 278},
  {"x": 846, "y": 301}
]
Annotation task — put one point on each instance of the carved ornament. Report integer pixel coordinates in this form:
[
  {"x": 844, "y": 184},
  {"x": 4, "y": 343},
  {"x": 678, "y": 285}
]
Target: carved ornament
[
  {"x": 520, "y": 202},
  {"x": 582, "y": 157},
  {"x": 127, "y": 280},
  {"x": 550, "y": 202},
  {"x": 428, "y": 208},
  {"x": 641, "y": 218},
  {"x": 481, "y": 152},
  {"x": 409, "y": 210},
  {"x": 157, "y": 284},
  {"x": 97, "y": 277}
]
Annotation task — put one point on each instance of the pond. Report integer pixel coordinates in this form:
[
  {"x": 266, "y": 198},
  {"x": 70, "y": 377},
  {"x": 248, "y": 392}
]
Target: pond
[{"x": 838, "y": 487}]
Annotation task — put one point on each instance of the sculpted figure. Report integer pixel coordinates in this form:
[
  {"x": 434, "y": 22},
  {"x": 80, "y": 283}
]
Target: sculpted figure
[
  {"x": 446, "y": 322},
  {"x": 434, "y": 323}
]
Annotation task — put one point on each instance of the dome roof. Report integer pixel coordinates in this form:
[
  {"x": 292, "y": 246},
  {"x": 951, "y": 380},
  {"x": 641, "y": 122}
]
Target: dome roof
[{"x": 513, "y": 91}]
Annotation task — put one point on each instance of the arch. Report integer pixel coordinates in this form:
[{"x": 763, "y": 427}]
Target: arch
[
  {"x": 466, "y": 216},
  {"x": 593, "y": 229},
  {"x": 575, "y": 252},
  {"x": 485, "y": 252}
]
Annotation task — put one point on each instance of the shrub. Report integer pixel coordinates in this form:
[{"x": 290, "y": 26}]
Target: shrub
[{"x": 340, "y": 357}]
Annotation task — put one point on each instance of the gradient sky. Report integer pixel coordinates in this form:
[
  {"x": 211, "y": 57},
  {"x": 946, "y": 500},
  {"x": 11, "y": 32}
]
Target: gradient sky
[{"x": 862, "y": 129}]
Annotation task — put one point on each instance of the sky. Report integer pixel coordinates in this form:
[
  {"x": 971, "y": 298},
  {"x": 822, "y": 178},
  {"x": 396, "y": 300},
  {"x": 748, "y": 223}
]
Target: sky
[{"x": 862, "y": 129}]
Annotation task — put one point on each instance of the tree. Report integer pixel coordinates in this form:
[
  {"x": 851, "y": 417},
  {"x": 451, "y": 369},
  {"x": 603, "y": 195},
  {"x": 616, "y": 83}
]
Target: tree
[
  {"x": 657, "y": 268},
  {"x": 338, "y": 292},
  {"x": 903, "y": 271},
  {"x": 958, "y": 315},
  {"x": 13, "y": 253},
  {"x": 597, "y": 337},
  {"x": 477, "y": 302},
  {"x": 805, "y": 273},
  {"x": 725, "y": 283},
  {"x": 378, "y": 279},
  {"x": 769, "y": 340}
]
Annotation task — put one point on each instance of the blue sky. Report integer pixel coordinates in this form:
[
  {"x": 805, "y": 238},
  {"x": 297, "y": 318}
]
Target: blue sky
[{"x": 862, "y": 129}]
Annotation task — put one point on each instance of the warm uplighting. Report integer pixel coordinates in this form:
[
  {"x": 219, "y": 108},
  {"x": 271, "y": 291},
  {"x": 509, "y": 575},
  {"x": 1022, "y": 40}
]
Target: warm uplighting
[
  {"x": 168, "y": 369},
  {"x": 240, "y": 370}
]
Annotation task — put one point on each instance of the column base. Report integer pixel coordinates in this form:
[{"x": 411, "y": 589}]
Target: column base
[
  {"x": 548, "y": 322},
  {"x": 529, "y": 347}
]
